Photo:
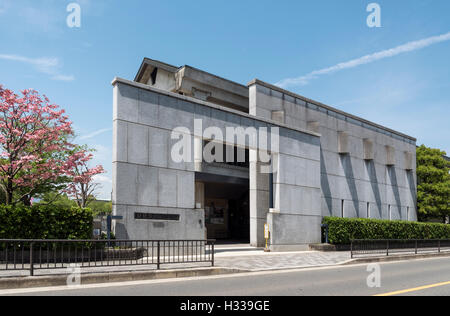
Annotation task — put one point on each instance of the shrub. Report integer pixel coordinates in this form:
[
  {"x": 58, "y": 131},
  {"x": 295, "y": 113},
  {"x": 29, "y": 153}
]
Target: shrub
[
  {"x": 342, "y": 230},
  {"x": 45, "y": 222}
]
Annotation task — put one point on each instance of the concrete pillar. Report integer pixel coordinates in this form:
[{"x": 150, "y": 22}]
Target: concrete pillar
[
  {"x": 259, "y": 201},
  {"x": 199, "y": 195},
  {"x": 198, "y": 153},
  {"x": 200, "y": 201}
]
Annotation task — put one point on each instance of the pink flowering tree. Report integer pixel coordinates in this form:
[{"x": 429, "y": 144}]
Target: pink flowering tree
[
  {"x": 35, "y": 152},
  {"x": 83, "y": 185}
]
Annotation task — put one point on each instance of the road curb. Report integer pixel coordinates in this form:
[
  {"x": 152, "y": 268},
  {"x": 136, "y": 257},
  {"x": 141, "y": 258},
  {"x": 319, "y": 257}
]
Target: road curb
[
  {"x": 396, "y": 258},
  {"x": 9, "y": 283}
]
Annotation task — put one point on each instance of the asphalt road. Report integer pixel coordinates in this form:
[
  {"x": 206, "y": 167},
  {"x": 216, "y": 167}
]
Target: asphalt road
[{"x": 416, "y": 277}]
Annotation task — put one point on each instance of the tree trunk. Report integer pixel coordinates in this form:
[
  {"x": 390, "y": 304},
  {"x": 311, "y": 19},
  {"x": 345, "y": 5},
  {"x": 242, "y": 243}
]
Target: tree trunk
[
  {"x": 26, "y": 200},
  {"x": 9, "y": 192}
]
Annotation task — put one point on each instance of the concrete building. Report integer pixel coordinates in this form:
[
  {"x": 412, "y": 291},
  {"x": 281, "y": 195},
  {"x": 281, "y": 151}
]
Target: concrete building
[{"x": 328, "y": 162}]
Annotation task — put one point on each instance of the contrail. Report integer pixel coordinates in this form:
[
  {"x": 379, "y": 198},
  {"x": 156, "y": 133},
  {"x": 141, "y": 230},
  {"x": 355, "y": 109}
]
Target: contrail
[
  {"x": 49, "y": 66},
  {"x": 367, "y": 59},
  {"x": 96, "y": 133}
]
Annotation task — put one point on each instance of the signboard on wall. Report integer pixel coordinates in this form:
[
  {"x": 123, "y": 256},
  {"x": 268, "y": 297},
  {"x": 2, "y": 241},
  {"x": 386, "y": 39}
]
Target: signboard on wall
[
  {"x": 215, "y": 211},
  {"x": 216, "y": 218}
]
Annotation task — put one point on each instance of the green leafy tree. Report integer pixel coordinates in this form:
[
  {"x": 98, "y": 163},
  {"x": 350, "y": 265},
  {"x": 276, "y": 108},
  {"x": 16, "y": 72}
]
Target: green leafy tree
[
  {"x": 56, "y": 199},
  {"x": 61, "y": 200},
  {"x": 433, "y": 189},
  {"x": 101, "y": 207},
  {"x": 42, "y": 189}
]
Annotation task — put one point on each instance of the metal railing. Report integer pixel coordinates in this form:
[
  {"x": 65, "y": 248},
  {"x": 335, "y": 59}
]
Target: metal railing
[
  {"x": 392, "y": 247},
  {"x": 62, "y": 254}
]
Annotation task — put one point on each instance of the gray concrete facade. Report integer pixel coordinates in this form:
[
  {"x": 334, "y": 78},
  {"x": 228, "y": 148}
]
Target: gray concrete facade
[
  {"x": 328, "y": 163},
  {"x": 366, "y": 170},
  {"x": 146, "y": 180}
]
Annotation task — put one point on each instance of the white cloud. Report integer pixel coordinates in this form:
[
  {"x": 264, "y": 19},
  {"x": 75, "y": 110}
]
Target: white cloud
[
  {"x": 96, "y": 133},
  {"x": 105, "y": 188},
  {"x": 63, "y": 78},
  {"x": 102, "y": 179},
  {"x": 46, "y": 65},
  {"x": 102, "y": 154},
  {"x": 405, "y": 48}
]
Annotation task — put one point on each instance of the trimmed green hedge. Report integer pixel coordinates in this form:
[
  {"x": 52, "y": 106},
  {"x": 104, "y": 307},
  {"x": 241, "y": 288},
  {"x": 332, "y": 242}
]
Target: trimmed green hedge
[
  {"x": 342, "y": 230},
  {"x": 45, "y": 222}
]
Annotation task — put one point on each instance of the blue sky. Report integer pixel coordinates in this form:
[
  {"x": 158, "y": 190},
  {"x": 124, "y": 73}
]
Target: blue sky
[{"x": 406, "y": 86}]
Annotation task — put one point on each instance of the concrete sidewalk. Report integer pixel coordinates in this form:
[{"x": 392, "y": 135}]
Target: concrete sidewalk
[
  {"x": 261, "y": 261},
  {"x": 245, "y": 259},
  {"x": 50, "y": 280}
]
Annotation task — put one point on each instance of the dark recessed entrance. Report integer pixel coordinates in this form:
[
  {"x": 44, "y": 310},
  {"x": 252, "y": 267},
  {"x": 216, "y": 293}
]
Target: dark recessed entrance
[{"x": 227, "y": 211}]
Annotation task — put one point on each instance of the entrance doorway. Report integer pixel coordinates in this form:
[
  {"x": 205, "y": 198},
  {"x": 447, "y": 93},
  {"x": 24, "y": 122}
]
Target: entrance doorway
[{"x": 227, "y": 212}]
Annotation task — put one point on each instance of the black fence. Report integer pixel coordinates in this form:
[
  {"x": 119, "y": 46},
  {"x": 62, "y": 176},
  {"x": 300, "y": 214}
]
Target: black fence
[
  {"x": 391, "y": 247},
  {"x": 62, "y": 254}
]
